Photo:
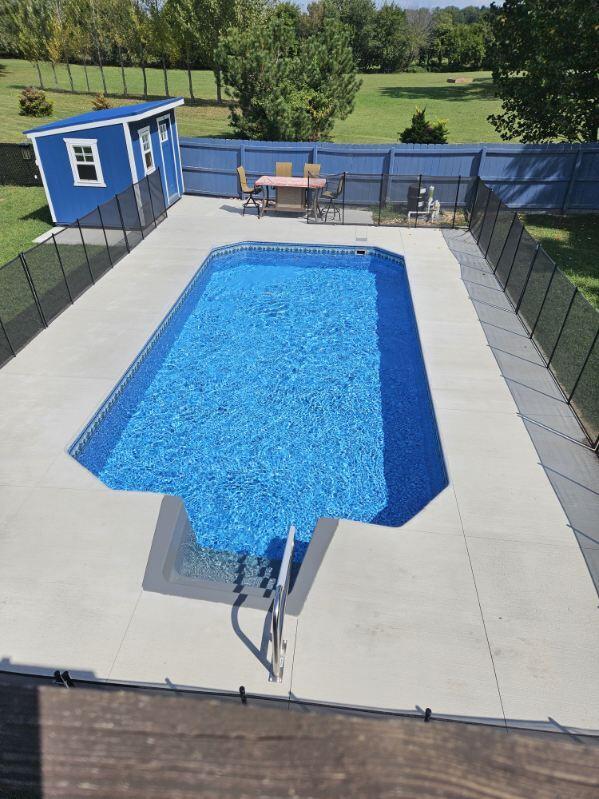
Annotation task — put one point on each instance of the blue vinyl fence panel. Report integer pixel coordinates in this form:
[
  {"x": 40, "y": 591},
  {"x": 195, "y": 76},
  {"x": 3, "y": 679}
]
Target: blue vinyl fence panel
[{"x": 536, "y": 177}]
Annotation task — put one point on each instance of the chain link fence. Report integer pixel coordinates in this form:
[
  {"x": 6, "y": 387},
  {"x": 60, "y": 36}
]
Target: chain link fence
[
  {"x": 17, "y": 165},
  {"x": 561, "y": 322},
  {"x": 37, "y": 285},
  {"x": 392, "y": 200}
]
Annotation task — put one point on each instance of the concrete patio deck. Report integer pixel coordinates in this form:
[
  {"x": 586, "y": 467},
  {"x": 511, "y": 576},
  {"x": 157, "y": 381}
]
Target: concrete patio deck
[{"x": 481, "y": 606}]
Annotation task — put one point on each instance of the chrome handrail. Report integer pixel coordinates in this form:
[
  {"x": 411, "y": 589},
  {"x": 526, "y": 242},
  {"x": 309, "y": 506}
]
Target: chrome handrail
[{"x": 278, "y": 610}]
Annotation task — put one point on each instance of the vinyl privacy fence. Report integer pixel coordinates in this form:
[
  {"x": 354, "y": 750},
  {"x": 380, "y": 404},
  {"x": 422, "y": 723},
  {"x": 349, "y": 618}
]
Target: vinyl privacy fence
[
  {"x": 558, "y": 318},
  {"x": 37, "y": 285}
]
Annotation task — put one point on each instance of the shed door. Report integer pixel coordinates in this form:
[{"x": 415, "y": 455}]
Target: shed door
[{"x": 167, "y": 146}]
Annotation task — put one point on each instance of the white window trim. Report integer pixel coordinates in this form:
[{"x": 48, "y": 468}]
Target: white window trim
[
  {"x": 165, "y": 118},
  {"x": 143, "y": 159},
  {"x": 93, "y": 143}
]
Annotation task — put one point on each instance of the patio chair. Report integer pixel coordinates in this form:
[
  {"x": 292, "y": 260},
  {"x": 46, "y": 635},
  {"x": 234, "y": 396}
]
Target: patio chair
[
  {"x": 251, "y": 191},
  {"x": 330, "y": 199},
  {"x": 283, "y": 169},
  {"x": 311, "y": 171}
]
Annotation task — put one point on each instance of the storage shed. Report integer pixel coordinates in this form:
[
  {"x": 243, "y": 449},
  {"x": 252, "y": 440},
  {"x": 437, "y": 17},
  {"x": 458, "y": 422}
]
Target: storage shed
[{"x": 87, "y": 159}]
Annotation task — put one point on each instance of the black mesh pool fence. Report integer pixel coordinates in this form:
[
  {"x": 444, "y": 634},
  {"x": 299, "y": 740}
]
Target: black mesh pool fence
[
  {"x": 37, "y": 285},
  {"x": 558, "y": 318},
  {"x": 351, "y": 198}
]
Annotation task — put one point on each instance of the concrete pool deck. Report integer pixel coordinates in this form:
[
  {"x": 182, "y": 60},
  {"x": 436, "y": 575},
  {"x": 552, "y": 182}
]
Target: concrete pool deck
[{"x": 481, "y": 606}]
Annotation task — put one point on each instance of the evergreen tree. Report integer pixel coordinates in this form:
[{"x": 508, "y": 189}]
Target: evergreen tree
[
  {"x": 295, "y": 88},
  {"x": 421, "y": 131}
]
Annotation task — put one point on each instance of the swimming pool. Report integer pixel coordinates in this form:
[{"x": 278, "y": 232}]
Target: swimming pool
[{"x": 286, "y": 384}]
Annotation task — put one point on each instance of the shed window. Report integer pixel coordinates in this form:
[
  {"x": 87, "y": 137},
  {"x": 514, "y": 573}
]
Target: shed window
[
  {"x": 85, "y": 162},
  {"x": 163, "y": 128},
  {"x": 146, "y": 150}
]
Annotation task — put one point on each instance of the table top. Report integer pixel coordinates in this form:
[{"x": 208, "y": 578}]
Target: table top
[{"x": 279, "y": 181}]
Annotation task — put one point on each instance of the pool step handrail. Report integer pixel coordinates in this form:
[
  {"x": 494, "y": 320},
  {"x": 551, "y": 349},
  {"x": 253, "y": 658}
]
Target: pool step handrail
[{"x": 279, "y": 646}]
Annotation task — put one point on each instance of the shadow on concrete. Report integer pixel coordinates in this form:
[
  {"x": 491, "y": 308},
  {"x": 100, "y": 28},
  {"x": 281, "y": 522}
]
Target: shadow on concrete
[{"x": 570, "y": 465}]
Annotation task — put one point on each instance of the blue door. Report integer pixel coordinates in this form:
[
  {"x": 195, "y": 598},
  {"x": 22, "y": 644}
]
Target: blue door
[{"x": 167, "y": 146}]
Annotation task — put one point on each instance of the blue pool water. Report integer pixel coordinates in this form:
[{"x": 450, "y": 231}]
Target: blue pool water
[{"x": 287, "y": 386}]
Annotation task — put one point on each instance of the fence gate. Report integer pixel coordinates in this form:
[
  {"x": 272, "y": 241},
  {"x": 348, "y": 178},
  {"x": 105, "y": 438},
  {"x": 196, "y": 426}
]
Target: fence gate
[{"x": 17, "y": 165}]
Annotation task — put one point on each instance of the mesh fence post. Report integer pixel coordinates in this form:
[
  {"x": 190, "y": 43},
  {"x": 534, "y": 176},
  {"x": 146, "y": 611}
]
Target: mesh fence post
[
  {"x": 343, "y": 199},
  {"x": 505, "y": 241},
  {"x": 583, "y": 367},
  {"x": 9, "y": 342},
  {"x": 473, "y": 202},
  {"x": 135, "y": 197},
  {"x": 418, "y": 200},
  {"x": 66, "y": 282},
  {"x": 105, "y": 238},
  {"x": 493, "y": 228},
  {"x": 151, "y": 202},
  {"x": 118, "y": 205},
  {"x": 89, "y": 266},
  {"x": 382, "y": 195},
  {"x": 528, "y": 274},
  {"x": 561, "y": 330},
  {"x": 482, "y": 224},
  {"x": 457, "y": 197},
  {"x": 36, "y": 299},
  {"x": 507, "y": 279},
  {"x": 534, "y": 327}
]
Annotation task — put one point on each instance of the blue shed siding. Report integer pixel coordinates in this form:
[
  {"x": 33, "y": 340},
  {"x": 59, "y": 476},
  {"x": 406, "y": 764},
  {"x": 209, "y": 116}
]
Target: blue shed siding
[
  {"x": 152, "y": 123},
  {"x": 70, "y": 201}
]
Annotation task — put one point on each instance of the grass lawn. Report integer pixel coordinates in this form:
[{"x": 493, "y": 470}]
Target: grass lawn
[
  {"x": 573, "y": 243},
  {"x": 24, "y": 214},
  {"x": 384, "y": 105}
]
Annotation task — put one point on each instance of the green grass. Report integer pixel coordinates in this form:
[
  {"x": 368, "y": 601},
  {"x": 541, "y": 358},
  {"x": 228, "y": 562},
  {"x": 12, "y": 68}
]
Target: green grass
[
  {"x": 25, "y": 215},
  {"x": 384, "y": 105},
  {"x": 573, "y": 243}
]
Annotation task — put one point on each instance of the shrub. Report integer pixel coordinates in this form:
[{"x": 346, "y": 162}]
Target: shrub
[
  {"x": 33, "y": 103},
  {"x": 421, "y": 131},
  {"x": 100, "y": 102}
]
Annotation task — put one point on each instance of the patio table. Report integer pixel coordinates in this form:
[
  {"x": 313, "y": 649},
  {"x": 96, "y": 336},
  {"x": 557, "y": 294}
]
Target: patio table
[{"x": 290, "y": 192}]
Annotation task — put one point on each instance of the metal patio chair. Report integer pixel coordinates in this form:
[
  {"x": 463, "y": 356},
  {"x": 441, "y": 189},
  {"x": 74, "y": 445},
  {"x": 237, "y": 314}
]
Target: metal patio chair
[
  {"x": 311, "y": 171},
  {"x": 284, "y": 169},
  {"x": 330, "y": 199},
  {"x": 251, "y": 191}
]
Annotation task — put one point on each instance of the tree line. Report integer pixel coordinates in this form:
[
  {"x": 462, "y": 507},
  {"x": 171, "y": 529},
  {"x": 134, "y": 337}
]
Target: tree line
[
  {"x": 185, "y": 34},
  {"x": 290, "y": 73}
]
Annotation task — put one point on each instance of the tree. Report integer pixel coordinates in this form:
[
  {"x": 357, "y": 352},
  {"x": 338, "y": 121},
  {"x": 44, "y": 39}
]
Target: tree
[
  {"x": 81, "y": 37},
  {"x": 360, "y": 18},
  {"x": 162, "y": 39},
  {"x": 186, "y": 25},
  {"x": 421, "y": 131},
  {"x": 297, "y": 87},
  {"x": 91, "y": 12},
  {"x": 420, "y": 24},
  {"x": 390, "y": 45},
  {"x": 545, "y": 71},
  {"x": 465, "y": 46},
  {"x": 61, "y": 33},
  {"x": 217, "y": 18},
  {"x": 141, "y": 39},
  {"x": 30, "y": 19},
  {"x": 118, "y": 23}
]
